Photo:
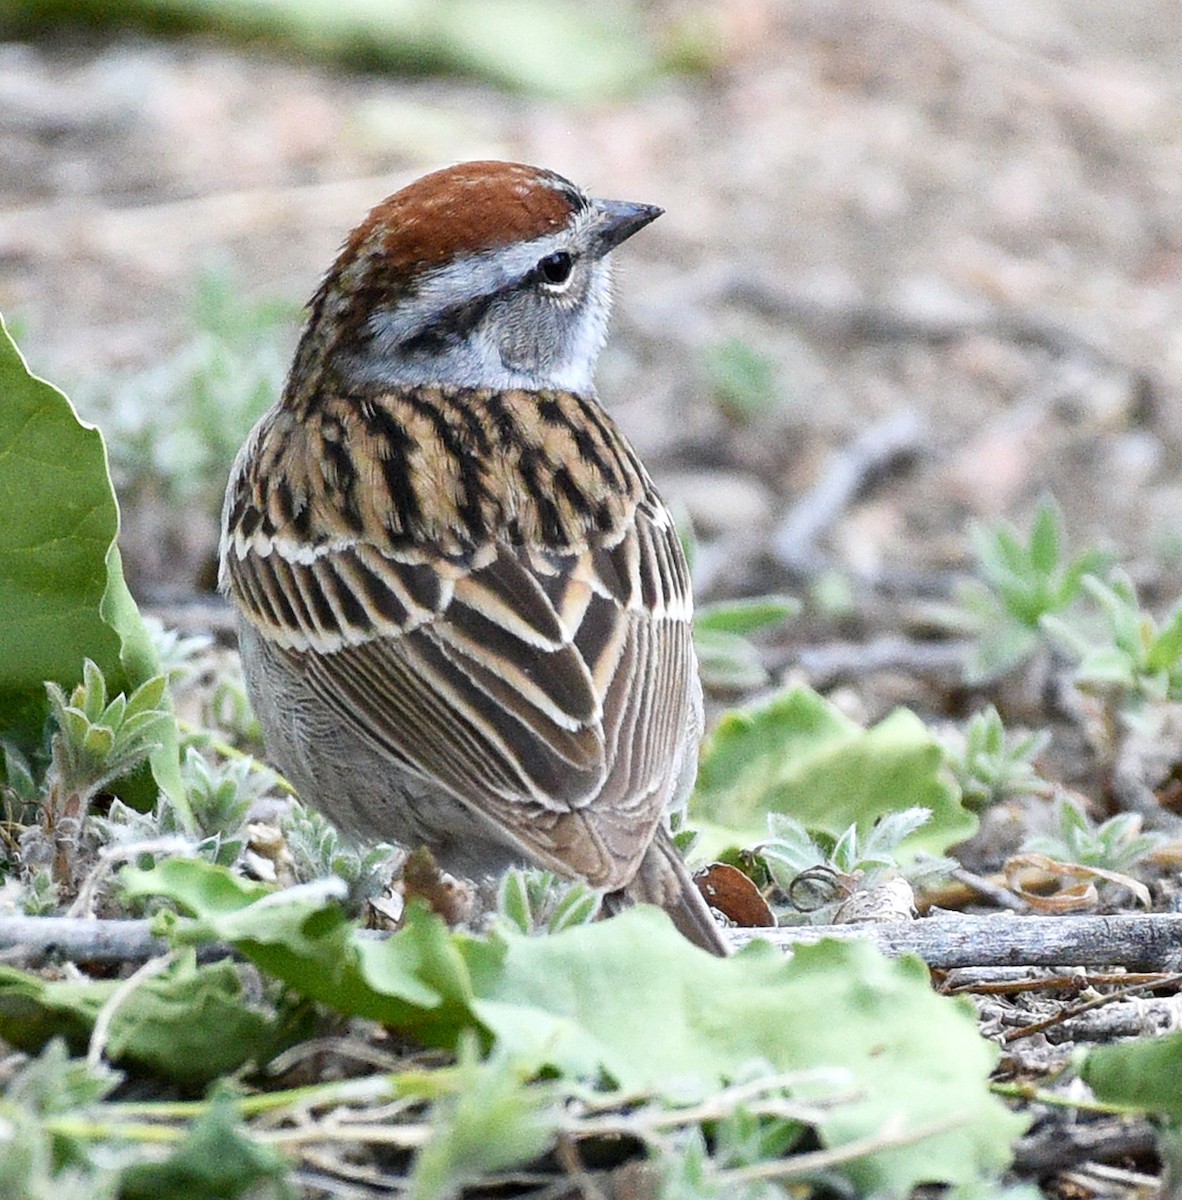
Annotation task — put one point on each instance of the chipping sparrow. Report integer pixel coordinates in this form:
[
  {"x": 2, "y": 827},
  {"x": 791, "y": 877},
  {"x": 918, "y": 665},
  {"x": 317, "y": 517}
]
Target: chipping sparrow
[{"x": 464, "y": 611}]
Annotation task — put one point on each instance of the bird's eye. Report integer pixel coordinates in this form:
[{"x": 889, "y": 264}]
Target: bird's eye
[{"x": 555, "y": 268}]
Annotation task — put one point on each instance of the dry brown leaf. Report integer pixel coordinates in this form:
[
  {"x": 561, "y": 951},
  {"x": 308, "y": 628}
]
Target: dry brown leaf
[
  {"x": 1025, "y": 872},
  {"x": 734, "y": 895}
]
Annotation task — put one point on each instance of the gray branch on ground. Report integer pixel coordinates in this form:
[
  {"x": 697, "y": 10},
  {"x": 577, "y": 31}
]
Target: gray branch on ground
[
  {"x": 1056, "y": 1146},
  {"x": 871, "y": 453},
  {"x": 1140, "y": 942},
  {"x": 1143, "y": 1016},
  {"x": 830, "y": 663},
  {"x": 79, "y": 939}
]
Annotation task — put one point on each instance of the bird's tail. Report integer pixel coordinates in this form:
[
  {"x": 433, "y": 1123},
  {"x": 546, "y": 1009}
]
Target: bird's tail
[{"x": 663, "y": 880}]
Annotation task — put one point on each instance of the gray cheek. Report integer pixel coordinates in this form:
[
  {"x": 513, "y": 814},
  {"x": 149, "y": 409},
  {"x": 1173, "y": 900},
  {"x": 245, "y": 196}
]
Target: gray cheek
[{"x": 529, "y": 336}]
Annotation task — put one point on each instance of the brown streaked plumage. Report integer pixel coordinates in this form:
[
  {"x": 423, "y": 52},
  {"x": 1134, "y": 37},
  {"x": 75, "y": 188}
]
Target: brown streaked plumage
[{"x": 465, "y": 612}]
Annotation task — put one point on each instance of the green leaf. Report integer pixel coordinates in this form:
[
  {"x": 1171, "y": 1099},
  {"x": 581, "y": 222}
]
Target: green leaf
[
  {"x": 744, "y": 616},
  {"x": 1073, "y": 821},
  {"x": 193, "y": 1024},
  {"x": 60, "y": 523},
  {"x": 38, "y": 1162},
  {"x": 63, "y": 598},
  {"x": 578, "y": 905},
  {"x": 33, "y": 1011},
  {"x": 1142, "y": 1073},
  {"x": 991, "y": 764},
  {"x": 728, "y": 661},
  {"x": 743, "y": 379},
  {"x": 190, "y": 1024},
  {"x": 894, "y": 1036},
  {"x": 54, "y": 1083},
  {"x": 214, "y": 894},
  {"x": 1019, "y": 586},
  {"x": 491, "y": 1121},
  {"x": 791, "y": 846},
  {"x": 1166, "y": 647},
  {"x": 657, "y": 1014},
  {"x": 797, "y": 754},
  {"x": 844, "y": 854},
  {"x": 513, "y": 900},
  {"x": 217, "y": 1161},
  {"x": 415, "y": 981},
  {"x": 1045, "y": 538},
  {"x": 1072, "y": 639}
]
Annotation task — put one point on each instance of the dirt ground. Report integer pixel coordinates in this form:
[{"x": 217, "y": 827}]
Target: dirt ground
[{"x": 955, "y": 226}]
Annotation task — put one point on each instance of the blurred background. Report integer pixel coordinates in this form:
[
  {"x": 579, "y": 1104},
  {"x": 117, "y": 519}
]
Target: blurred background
[{"x": 921, "y": 263}]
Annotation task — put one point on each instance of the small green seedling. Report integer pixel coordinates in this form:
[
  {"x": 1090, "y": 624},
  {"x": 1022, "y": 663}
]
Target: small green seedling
[
  {"x": 728, "y": 660},
  {"x": 536, "y": 901},
  {"x": 98, "y": 742},
  {"x": 992, "y": 764},
  {"x": 1020, "y": 582},
  {"x": 1138, "y": 661},
  {"x": 805, "y": 865},
  {"x": 318, "y": 850},
  {"x": 1117, "y": 844},
  {"x": 742, "y": 379}
]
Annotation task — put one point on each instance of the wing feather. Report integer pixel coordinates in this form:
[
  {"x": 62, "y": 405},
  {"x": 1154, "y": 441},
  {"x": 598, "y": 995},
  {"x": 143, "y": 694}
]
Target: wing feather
[{"x": 548, "y": 684}]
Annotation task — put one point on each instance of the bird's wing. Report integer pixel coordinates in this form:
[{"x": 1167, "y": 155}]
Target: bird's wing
[{"x": 550, "y": 688}]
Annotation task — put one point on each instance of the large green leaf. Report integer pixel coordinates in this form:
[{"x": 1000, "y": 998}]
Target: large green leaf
[
  {"x": 629, "y": 997},
  {"x": 797, "y": 754},
  {"x": 63, "y": 598},
  {"x": 56, "y": 542},
  {"x": 1142, "y": 1073}
]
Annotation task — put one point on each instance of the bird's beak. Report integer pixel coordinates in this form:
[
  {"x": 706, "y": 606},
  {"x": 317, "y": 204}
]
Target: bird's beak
[{"x": 619, "y": 220}]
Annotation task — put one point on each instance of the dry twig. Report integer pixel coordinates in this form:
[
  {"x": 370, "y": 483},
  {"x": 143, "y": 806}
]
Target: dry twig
[{"x": 1141, "y": 942}]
